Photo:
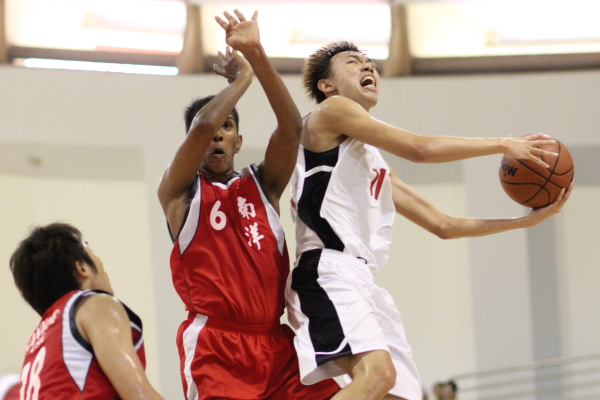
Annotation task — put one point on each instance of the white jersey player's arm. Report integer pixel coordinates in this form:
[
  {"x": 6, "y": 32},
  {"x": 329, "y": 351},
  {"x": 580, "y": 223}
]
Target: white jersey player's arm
[
  {"x": 415, "y": 207},
  {"x": 338, "y": 116}
]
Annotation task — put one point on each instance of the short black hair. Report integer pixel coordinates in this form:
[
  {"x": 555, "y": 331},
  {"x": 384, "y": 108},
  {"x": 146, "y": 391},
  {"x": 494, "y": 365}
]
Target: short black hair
[
  {"x": 43, "y": 265},
  {"x": 318, "y": 66},
  {"x": 196, "y": 105}
]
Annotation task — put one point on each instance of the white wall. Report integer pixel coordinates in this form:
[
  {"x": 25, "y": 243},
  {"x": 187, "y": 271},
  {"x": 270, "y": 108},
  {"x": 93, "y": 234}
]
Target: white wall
[
  {"x": 466, "y": 304},
  {"x": 118, "y": 235}
]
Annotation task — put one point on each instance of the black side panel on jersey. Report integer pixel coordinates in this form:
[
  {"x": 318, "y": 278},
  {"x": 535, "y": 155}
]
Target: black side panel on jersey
[
  {"x": 313, "y": 194},
  {"x": 324, "y": 327},
  {"x": 133, "y": 318}
]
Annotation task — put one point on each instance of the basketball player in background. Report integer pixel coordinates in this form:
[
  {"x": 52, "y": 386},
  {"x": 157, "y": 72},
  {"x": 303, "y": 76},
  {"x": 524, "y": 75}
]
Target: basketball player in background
[
  {"x": 88, "y": 344},
  {"x": 229, "y": 262},
  {"x": 344, "y": 198}
]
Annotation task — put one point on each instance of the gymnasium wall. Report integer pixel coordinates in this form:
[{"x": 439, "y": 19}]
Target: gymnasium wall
[{"x": 89, "y": 148}]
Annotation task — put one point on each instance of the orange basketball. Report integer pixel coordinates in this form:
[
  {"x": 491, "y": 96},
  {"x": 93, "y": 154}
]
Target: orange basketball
[{"x": 531, "y": 184}]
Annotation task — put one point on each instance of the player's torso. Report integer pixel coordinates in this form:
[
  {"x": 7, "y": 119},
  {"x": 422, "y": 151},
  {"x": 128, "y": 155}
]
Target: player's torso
[
  {"x": 59, "y": 364},
  {"x": 341, "y": 200},
  {"x": 230, "y": 260}
]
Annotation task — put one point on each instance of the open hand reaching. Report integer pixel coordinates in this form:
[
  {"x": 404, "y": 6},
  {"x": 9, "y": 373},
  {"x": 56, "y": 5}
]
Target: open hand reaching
[
  {"x": 232, "y": 65},
  {"x": 240, "y": 34}
]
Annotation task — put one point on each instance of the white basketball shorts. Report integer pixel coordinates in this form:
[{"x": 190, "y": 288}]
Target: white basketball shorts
[{"x": 336, "y": 310}]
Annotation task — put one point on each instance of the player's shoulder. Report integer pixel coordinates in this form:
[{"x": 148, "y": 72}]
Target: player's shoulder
[
  {"x": 335, "y": 102},
  {"x": 325, "y": 127},
  {"x": 97, "y": 303},
  {"x": 333, "y": 110}
]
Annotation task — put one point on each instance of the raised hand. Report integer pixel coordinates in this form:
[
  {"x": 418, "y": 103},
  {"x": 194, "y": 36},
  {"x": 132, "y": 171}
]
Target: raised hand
[
  {"x": 232, "y": 65},
  {"x": 240, "y": 34},
  {"x": 525, "y": 147}
]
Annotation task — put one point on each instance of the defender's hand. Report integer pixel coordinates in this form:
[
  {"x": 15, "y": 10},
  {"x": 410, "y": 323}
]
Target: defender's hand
[
  {"x": 240, "y": 34},
  {"x": 232, "y": 65}
]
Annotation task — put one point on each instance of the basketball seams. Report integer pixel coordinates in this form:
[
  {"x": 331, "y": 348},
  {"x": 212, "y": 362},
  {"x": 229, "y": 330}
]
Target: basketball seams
[
  {"x": 536, "y": 186},
  {"x": 542, "y": 186},
  {"x": 533, "y": 170}
]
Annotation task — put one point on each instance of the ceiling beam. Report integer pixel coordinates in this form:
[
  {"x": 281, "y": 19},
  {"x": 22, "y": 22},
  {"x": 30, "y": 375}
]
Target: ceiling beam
[
  {"x": 399, "y": 61},
  {"x": 3, "y": 45},
  {"x": 191, "y": 58}
]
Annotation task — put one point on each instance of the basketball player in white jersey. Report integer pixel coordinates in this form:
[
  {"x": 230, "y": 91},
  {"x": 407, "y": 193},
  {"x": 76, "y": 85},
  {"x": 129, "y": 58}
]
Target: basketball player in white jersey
[{"x": 344, "y": 198}]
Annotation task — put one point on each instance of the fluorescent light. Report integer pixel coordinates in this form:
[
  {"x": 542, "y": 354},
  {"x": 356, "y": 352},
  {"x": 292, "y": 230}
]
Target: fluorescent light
[{"x": 96, "y": 66}]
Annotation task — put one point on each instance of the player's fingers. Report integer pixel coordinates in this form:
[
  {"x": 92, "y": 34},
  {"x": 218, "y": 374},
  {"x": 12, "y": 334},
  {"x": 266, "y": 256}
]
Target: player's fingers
[
  {"x": 532, "y": 136},
  {"x": 538, "y": 161},
  {"x": 218, "y": 70},
  {"x": 563, "y": 196},
  {"x": 544, "y": 152},
  {"x": 568, "y": 191},
  {"x": 255, "y": 16},
  {"x": 539, "y": 142},
  {"x": 230, "y": 18},
  {"x": 221, "y": 22},
  {"x": 239, "y": 14},
  {"x": 560, "y": 201}
]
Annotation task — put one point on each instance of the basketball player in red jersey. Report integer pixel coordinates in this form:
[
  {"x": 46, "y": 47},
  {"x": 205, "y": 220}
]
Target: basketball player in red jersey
[
  {"x": 344, "y": 199},
  {"x": 88, "y": 344},
  {"x": 229, "y": 262}
]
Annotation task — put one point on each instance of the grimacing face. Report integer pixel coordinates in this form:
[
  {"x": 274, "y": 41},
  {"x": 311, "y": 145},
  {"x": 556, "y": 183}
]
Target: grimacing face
[{"x": 355, "y": 76}]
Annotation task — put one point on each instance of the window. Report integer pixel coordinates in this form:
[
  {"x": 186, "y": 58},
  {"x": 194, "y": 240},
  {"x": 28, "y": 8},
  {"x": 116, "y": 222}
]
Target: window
[{"x": 150, "y": 32}]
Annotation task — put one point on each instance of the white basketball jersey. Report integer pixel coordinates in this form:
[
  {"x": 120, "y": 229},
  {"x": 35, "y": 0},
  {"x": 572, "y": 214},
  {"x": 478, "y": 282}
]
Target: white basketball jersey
[{"x": 342, "y": 200}]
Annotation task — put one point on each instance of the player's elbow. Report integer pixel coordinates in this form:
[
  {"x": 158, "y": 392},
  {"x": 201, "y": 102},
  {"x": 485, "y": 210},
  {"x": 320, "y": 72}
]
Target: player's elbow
[
  {"x": 446, "y": 234},
  {"x": 294, "y": 128},
  {"x": 441, "y": 233},
  {"x": 205, "y": 122},
  {"x": 420, "y": 152},
  {"x": 445, "y": 230}
]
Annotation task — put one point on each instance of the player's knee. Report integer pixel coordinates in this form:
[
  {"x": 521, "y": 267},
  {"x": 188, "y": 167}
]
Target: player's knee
[
  {"x": 381, "y": 374},
  {"x": 387, "y": 376}
]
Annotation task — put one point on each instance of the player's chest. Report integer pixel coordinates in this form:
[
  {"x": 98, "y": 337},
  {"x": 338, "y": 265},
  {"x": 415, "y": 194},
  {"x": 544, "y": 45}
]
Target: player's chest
[{"x": 237, "y": 210}]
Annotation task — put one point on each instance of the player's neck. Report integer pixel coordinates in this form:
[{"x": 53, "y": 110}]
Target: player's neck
[{"x": 223, "y": 177}]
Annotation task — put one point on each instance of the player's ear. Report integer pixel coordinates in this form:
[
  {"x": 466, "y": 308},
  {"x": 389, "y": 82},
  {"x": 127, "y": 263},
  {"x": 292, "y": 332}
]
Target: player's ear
[
  {"x": 82, "y": 270},
  {"x": 326, "y": 86},
  {"x": 238, "y": 143}
]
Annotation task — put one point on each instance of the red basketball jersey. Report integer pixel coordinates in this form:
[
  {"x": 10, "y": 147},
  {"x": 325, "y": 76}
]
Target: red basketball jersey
[
  {"x": 59, "y": 364},
  {"x": 230, "y": 258}
]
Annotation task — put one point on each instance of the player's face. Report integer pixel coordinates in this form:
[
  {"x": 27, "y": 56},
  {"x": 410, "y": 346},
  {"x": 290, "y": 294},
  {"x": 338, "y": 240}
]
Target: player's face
[
  {"x": 354, "y": 75},
  {"x": 218, "y": 159},
  {"x": 100, "y": 280}
]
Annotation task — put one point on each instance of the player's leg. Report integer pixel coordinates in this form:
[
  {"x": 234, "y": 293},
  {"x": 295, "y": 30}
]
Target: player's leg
[
  {"x": 285, "y": 383},
  {"x": 373, "y": 375}
]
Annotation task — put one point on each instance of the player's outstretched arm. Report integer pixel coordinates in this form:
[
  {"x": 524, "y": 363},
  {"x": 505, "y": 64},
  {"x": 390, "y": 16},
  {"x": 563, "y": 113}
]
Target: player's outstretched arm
[
  {"x": 418, "y": 209},
  {"x": 337, "y": 116},
  {"x": 280, "y": 157},
  {"x": 103, "y": 322},
  {"x": 181, "y": 172}
]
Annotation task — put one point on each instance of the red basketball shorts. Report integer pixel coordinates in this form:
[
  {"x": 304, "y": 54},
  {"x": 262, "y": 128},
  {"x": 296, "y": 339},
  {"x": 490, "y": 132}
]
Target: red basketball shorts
[{"x": 227, "y": 360}]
